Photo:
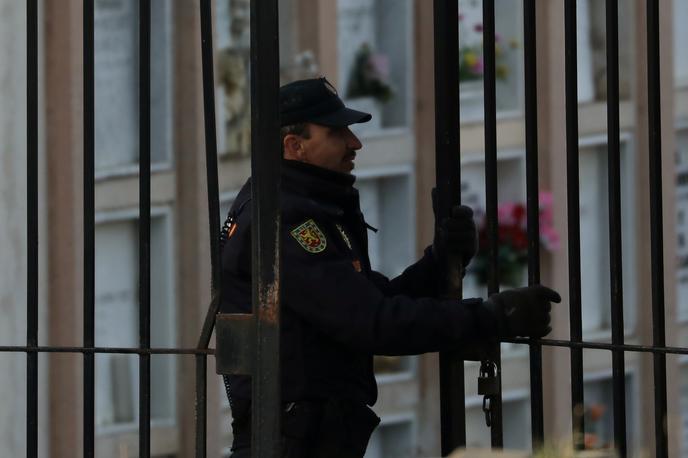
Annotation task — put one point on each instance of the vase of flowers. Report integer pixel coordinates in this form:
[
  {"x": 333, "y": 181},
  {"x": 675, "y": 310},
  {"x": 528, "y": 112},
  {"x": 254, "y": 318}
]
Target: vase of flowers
[
  {"x": 472, "y": 67},
  {"x": 512, "y": 251},
  {"x": 368, "y": 87}
]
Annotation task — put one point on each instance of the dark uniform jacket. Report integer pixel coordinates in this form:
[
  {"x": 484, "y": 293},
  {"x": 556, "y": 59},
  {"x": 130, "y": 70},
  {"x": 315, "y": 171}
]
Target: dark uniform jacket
[{"x": 336, "y": 313}]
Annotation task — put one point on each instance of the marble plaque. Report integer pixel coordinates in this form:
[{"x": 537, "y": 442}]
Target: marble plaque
[
  {"x": 682, "y": 224},
  {"x": 116, "y": 82}
]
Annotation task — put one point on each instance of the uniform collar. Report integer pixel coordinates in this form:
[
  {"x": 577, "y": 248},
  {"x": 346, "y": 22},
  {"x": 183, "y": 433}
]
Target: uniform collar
[{"x": 319, "y": 183}]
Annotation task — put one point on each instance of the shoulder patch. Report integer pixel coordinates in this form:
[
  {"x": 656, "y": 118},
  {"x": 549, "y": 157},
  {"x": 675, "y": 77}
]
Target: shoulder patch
[{"x": 310, "y": 237}]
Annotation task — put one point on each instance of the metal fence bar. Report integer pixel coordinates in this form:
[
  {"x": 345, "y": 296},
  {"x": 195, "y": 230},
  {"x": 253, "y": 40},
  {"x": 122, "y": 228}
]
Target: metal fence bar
[
  {"x": 211, "y": 167},
  {"x": 213, "y": 219},
  {"x": 110, "y": 350},
  {"x": 144, "y": 225},
  {"x": 573, "y": 221},
  {"x": 656, "y": 225},
  {"x": 265, "y": 228},
  {"x": 491, "y": 184},
  {"x": 89, "y": 231},
  {"x": 201, "y": 405},
  {"x": 32, "y": 226},
  {"x": 530, "y": 70},
  {"x": 615, "y": 234},
  {"x": 210, "y": 141},
  {"x": 448, "y": 176},
  {"x": 211, "y": 351}
]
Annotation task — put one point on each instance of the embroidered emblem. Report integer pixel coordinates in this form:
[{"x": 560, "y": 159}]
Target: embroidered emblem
[
  {"x": 344, "y": 236},
  {"x": 357, "y": 265},
  {"x": 310, "y": 237}
]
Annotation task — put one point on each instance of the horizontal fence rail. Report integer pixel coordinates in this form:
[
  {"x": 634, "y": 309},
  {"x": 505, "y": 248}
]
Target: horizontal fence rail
[{"x": 211, "y": 351}]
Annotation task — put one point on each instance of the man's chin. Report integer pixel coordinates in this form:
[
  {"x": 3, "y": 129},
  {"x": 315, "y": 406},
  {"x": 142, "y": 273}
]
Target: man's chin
[{"x": 348, "y": 166}]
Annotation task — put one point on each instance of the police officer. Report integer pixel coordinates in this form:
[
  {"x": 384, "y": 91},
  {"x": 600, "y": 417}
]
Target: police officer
[{"x": 336, "y": 311}]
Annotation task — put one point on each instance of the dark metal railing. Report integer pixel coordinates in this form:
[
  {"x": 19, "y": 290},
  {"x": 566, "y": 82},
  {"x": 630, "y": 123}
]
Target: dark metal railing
[
  {"x": 32, "y": 226},
  {"x": 448, "y": 185},
  {"x": 573, "y": 212},
  {"x": 491, "y": 184},
  {"x": 532, "y": 205},
  {"x": 265, "y": 235},
  {"x": 144, "y": 226},
  {"x": 656, "y": 225},
  {"x": 615, "y": 257},
  {"x": 89, "y": 230}
]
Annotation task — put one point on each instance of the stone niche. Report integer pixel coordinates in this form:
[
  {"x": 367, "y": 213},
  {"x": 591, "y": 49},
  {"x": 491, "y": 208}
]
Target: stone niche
[
  {"x": 385, "y": 28},
  {"x": 117, "y": 83}
]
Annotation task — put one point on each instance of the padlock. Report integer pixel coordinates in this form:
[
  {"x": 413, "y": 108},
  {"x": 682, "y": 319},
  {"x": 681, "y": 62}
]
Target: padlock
[
  {"x": 488, "y": 382},
  {"x": 488, "y": 387}
]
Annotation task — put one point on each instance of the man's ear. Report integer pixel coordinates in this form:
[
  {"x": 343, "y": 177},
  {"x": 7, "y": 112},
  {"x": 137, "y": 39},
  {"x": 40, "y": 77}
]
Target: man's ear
[{"x": 293, "y": 149}]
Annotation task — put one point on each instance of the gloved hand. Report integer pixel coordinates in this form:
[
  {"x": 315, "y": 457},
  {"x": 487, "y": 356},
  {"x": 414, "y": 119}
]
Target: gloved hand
[
  {"x": 523, "y": 312},
  {"x": 456, "y": 236}
]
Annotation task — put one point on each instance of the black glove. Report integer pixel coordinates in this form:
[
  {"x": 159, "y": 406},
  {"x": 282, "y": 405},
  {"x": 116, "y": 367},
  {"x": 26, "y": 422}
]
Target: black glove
[
  {"x": 523, "y": 311},
  {"x": 456, "y": 236}
]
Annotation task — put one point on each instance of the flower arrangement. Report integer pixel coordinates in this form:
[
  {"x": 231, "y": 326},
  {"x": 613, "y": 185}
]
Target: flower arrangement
[
  {"x": 369, "y": 76},
  {"x": 512, "y": 253},
  {"x": 471, "y": 64}
]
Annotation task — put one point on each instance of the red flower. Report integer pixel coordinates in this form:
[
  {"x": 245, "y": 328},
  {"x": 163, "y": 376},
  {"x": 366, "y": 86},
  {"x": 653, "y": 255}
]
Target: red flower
[{"x": 519, "y": 213}]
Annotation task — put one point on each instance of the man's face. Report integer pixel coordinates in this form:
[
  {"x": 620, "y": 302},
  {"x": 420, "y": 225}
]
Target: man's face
[{"x": 332, "y": 148}]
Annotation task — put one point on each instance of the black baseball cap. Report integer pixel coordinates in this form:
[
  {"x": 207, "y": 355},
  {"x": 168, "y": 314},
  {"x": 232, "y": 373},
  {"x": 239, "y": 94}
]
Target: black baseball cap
[{"x": 315, "y": 100}]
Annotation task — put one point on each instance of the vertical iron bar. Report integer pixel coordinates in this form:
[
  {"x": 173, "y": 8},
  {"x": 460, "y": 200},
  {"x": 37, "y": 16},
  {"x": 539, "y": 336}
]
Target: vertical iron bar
[
  {"x": 656, "y": 225},
  {"x": 211, "y": 167},
  {"x": 144, "y": 225},
  {"x": 89, "y": 231},
  {"x": 491, "y": 184},
  {"x": 615, "y": 234},
  {"x": 265, "y": 230},
  {"x": 448, "y": 176},
  {"x": 210, "y": 141},
  {"x": 573, "y": 218},
  {"x": 213, "y": 218},
  {"x": 32, "y": 227},
  {"x": 530, "y": 71},
  {"x": 201, "y": 405}
]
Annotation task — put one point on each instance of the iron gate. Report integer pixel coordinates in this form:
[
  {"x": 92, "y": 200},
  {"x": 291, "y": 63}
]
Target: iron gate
[{"x": 266, "y": 172}]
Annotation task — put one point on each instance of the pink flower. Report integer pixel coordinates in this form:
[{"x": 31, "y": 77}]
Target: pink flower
[
  {"x": 549, "y": 238},
  {"x": 478, "y": 28},
  {"x": 546, "y": 199}
]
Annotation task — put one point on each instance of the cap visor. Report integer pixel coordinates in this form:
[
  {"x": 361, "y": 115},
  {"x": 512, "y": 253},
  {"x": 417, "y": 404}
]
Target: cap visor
[{"x": 342, "y": 117}]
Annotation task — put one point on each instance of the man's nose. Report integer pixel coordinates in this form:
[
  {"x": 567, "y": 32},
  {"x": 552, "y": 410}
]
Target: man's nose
[{"x": 353, "y": 141}]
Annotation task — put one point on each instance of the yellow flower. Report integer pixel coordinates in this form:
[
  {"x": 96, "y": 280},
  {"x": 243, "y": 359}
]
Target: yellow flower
[
  {"x": 502, "y": 71},
  {"x": 470, "y": 58}
]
